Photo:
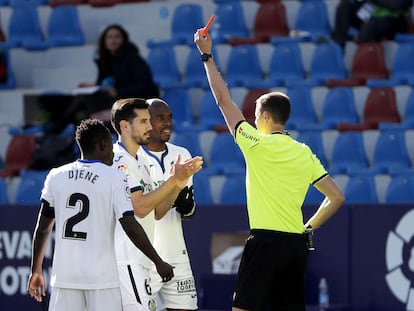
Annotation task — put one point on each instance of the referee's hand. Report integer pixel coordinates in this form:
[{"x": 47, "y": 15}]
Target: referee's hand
[{"x": 165, "y": 270}]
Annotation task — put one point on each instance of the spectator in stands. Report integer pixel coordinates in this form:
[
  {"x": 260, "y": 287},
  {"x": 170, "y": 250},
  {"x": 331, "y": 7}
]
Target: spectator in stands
[
  {"x": 374, "y": 20},
  {"x": 346, "y": 17},
  {"x": 122, "y": 73},
  {"x": 388, "y": 18}
]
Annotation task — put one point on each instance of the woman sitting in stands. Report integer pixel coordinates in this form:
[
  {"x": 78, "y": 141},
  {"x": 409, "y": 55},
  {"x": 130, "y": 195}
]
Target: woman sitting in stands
[{"x": 122, "y": 73}]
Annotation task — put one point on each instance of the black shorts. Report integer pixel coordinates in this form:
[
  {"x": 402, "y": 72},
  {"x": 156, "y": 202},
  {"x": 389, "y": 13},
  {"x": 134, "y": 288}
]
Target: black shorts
[{"x": 272, "y": 272}]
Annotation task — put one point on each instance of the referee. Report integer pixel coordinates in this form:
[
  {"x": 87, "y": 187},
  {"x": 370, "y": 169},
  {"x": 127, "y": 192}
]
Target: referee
[{"x": 279, "y": 171}]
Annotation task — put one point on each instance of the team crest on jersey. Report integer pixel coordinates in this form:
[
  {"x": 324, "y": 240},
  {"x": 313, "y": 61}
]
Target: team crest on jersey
[
  {"x": 123, "y": 168},
  {"x": 151, "y": 305}
]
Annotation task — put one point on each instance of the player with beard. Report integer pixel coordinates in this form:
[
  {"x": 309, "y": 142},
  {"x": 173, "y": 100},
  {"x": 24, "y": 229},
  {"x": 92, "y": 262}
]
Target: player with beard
[
  {"x": 180, "y": 292},
  {"x": 131, "y": 120}
]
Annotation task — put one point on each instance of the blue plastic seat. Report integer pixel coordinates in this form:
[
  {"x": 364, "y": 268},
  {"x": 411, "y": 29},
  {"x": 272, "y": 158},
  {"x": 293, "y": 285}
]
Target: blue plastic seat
[
  {"x": 400, "y": 190},
  {"x": 194, "y": 73},
  {"x": 243, "y": 67},
  {"x": 163, "y": 64},
  {"x": 4, "y": 199},
  {"x": 64, "y": 27},
  {"x": 186, "y": 19},
  {"x": 202, "y": 192},
  {"x": 27, "y": 34},
  {"x": 339, "y": 106},
  {"x": 312, "y": 17},
  {"x": 225, "y": 156},
  {"x": 234, "y": 190},
  {"x": 360, "y": 189},
  {"x": 210, "y": 115},
  {"x": 402, "y": 68},
  {"x": 229, "y": 22},
  {"x": 30, "y": 186},
  {"x": 314, "y": 140},
  {"x": 348, "y": 153},
  {"x": 189, "y": 140},
  {"x": 301, "y": 111},
  {"x": 390, "y": 153},
  {"x": 179, "y": 101},
  {"x": 327, "y": 63},
  {"x": 286, "y": 65}
]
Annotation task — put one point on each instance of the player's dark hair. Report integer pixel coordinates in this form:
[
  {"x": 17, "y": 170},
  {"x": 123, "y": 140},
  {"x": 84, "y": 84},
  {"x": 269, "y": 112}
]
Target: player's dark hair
[
  {"x": 277, "y": 104},
  {"x": 124, "y": 109},
  {"x": 89, "y": 133}
]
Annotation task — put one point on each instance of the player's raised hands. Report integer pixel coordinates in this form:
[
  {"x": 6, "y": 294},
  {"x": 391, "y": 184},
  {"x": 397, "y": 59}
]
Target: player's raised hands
[{"x": 184, "y": 170}]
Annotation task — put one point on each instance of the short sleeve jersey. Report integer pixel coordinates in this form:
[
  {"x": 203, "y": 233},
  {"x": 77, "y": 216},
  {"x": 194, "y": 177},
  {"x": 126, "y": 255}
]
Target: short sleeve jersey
[
  {"x": 279, "y": 171},
  {"x": 173, "y": 250},
  {"x": 88, "y": 198},
  {"x": 136, "y": 170}
]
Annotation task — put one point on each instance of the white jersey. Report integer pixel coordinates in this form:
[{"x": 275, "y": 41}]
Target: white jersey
[
  {"x": 88, "y": 198},
  {"x": 136, "y": 170},
  {"x": 168, "y": 238}
]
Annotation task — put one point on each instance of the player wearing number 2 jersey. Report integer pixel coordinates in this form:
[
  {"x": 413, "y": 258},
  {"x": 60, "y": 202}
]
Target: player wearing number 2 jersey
[
  {"x": 84, "y": 200},
  {"x": 180, "y": 292}
]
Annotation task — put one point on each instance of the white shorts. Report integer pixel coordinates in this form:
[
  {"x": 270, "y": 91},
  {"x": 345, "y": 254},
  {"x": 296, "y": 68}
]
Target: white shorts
[
  {"x": 136, "y": 289},
  {"x": 179, "y": 293},
  {"x": 64, "y": 299}
]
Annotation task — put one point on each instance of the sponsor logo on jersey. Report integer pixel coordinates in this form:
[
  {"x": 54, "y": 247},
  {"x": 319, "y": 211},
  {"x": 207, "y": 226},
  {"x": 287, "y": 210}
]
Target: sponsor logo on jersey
[
  {"x": 123, "y": 168},
  {"x": 185, "y": 286},
  {"x": 246, "y": 135}
]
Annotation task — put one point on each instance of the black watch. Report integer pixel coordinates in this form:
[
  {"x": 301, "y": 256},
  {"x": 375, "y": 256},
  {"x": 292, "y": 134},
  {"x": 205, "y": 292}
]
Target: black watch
[{"x": 205, "y": 57}]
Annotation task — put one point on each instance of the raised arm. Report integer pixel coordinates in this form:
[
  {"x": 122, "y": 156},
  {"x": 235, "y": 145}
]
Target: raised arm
[{"x": 231, "y": 112}]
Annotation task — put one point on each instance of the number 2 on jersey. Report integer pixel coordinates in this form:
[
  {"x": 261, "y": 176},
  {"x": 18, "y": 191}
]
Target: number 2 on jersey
[{"x": 83, "y": 201}]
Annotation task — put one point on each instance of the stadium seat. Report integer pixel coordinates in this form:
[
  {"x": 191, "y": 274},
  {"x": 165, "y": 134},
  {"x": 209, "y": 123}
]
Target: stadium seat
[
  {"x": 243, "y": 67},
  {"x": 189, "y": 140},
  {"x": 202, "y": 192},
  {"x": 27, "y": 34},
  {"x": 186, "y": 19},
  {"x": 348, "y": 153},
  {"x": 30, "y": 186},
  {"x": 360, "y": 189},
  {"x": 314, "y": 140},
  {"x": 390, "y": 153},
  {"x": 338, "y": 107},
  {"x": 402, "y": 71},
  {"x": 64, "y": 27},
  {"x": 312, "y": 17},
  {"x": 301, "y": 110},
  {"x": 286, "y": 65},
  {"x": 163, "y": 63},
  {"x": 234, "y": 190},
  {"x": 270, "y": 21},
  {"x": 210, "y": 115},
  {"x": 4, "y": 199},
  {"x": 18, "y": 155},
  {"x": 194, "y": 73},
  {"x": 55, "y": 3},
  {"x": 225, "y": 160},
  {"x": 327, "y": 63},
  {"x": 249, "y": 103},
  {"x": 103, "y": 3},
  {"x": 368, "y": 62},
  {"x": 179, "y": 101},
  {"x": 380, "y": 106},
  {"x": 407, "y": 121},
  {"x": 229, "y": 22},
  {"x": 400, "y": 190}
]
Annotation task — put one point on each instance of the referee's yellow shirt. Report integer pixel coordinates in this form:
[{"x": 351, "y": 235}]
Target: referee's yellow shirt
[{"x": 279, "y": 171}]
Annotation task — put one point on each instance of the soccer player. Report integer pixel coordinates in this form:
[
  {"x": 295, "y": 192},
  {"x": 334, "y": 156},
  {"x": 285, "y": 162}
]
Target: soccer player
[
  {"x": 131, "y": 120},
  {"x": 180, "y": 292},
  {"x": 83, "y": 200},
  {"x": 279, "y": 171}
]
